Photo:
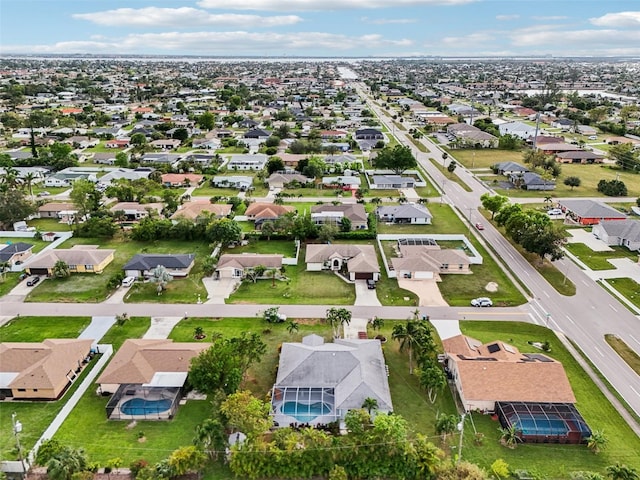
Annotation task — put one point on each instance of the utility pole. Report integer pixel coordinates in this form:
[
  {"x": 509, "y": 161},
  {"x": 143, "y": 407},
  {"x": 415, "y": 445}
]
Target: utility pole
[
  {"x": 17, "y": 428},
  {"x": 461, "y": 430}
]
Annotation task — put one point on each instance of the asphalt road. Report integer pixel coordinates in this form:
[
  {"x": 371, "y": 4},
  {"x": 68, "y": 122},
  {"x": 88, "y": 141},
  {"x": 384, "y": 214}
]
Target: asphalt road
[{"x": 584, "y": 318}]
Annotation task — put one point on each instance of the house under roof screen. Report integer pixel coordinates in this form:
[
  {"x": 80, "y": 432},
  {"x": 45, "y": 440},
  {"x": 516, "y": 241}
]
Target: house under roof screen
[{"x": 544, "y": 422}]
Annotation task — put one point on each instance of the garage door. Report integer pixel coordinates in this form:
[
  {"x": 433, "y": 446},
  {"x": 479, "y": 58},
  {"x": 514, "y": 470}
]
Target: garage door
[
  {"x": 364, "y": 276},
  {"x": 423, "y": 275},
  {"x": 38, "y": 271}
]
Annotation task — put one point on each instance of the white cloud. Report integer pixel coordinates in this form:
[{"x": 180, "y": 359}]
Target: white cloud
[
  {"x": 388, "y": 21},
  {"x": 468, "y": 41},
  {"x": 181, "y": 17},
  {"x": 597, "y": 39},
  {"x": 503, "y": 18},
  {"x": 319, "y": 5},
  {"x": 221, "y": 43},
  {"x": 620, "y": 19}
]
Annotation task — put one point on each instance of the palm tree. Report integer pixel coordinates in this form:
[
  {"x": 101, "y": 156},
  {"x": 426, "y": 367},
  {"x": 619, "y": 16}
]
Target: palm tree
[
  {"x": 409, "y": 337},
  {"x": 622, "y": 472},
  {"x": 28, "y": 181},
  {"x": 548, "y": 199},
  {"x": 61, "y": 269},
  {"x": 445, "y": 425},
  {"x": 4, "y": 266},
  {"x": 65, "y": 463},
  {"x": 377, "y": 323},
  {"x": 370, "y": 404},
  {"x": 597, "y": 441},
  {"x": 433, "y": 379},
  {"x": 161, "y": 277},
  {"x": 293, "y": 327},
  {"x": 509, "y": 436},
  {"x": 338, "y": 318}
]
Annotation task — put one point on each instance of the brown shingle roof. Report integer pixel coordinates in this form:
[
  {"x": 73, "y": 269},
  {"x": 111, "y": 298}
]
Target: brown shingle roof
[
  {"x": 192, "y": 210},
  {"x": 137, "y": 361},
  {"x": 249, "y": 260},
  {"x": 260, "y": 210},
  {"x": 71, "y": 256}
]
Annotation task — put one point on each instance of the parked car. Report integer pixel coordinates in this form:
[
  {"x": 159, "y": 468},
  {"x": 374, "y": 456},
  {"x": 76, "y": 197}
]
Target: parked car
[
  {"x": 554, "y": 211},
  {"x": 371, "y": 284},
  {"x": 22, "y": 276},
  {"x": 33, "y": 281},
  {"x": 481, "y": 302},
  {"x": 592, "y": 137},
  {"x": 479, "y": 226},
  {"x": 44, "y": 193}
]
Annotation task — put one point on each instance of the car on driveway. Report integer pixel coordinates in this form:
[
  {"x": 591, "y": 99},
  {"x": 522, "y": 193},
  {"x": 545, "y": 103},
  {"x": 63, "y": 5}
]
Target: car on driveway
[
  {"x": 371, "y": 284},
  {"x": 479, "y": 226},
  {"x": 481, "y": 302},
  {"x": 33, "y": 281}
]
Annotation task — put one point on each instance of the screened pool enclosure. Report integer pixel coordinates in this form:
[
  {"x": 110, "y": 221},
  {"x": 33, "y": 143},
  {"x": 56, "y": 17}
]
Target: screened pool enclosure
[{"x": 312, "y": 405}]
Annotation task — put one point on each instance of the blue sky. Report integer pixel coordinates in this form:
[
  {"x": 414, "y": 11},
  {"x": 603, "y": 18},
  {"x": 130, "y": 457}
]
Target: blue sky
[{"x": 321, "y": 27}]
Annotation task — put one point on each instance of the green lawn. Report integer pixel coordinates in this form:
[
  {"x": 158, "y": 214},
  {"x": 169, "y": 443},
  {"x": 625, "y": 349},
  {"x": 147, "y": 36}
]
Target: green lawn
[
  {"x": 88, "y": 287},
  {"x": 35, "y": 418},
  {"x": 37, "y": 244},
  {"x": 135, "y": 327},
  {"x": 49, "y": 225},
  {"x": 598, "y": 260},
  {"x": 206, "y": 190},
  {"x": 302, "y": 287},
  {"x": 285, "y": 247},
  {"x": 552, "y": 461},
  {"x": 450, "y": 176},
  {"x": 37, "y": 188},
  {"x": 37, "y": 329},
  {"x": 626, "y": 353},
  {"x": 485, "y": 157},
  {"x": 7, "y": 282},
  {"x": 311, "y": 192},
  {"x": 101, "y": 148},
  {"x": 628, "y": 287}
]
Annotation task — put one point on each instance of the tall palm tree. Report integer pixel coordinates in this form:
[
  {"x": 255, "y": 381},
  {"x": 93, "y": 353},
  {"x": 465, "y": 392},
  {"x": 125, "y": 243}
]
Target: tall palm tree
[
  {"x": 409, "y": 337},
  {"x": 28, "y": 182}
]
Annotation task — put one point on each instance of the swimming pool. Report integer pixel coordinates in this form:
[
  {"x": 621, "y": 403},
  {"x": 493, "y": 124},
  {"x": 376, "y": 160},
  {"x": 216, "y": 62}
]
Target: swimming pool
[
  {"x": 305, "y": 412},
  {"x": 541, "y": 426},
  {"x": 141, "y": 406}
]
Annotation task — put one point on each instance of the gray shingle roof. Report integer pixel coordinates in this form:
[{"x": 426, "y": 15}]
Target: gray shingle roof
[
  {"x": 143, "y": 261},
  {"x": 10, "y": 250},
  {"x": 591, "y": 209}
]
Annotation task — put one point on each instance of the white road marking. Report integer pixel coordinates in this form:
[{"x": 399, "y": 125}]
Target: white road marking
[
  {"x": 585, "y": 282},
  {"x": 634, "y": 339},
  {"x": 535, "y": 320},
  {"x": 598, "y": 350},
  {"x": 548, "y": 296},
  {"x": 527, "y": 273},
  {"x": 634, "y": 390},
  {"x": 569, "y": 318},
  {"x": 613, "y": 308}
]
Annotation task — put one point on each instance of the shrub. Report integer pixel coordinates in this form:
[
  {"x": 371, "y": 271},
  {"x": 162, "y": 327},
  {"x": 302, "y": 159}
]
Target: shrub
[
  {"x": 137, "y": 465},
  {"x": 612, "y": 188}
]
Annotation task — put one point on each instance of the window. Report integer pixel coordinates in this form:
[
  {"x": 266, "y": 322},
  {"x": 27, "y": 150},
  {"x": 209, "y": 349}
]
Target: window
[
  {"x": 445, "y": 266},
  {"x": 88, "y": 267},
  {"x": 73, "y": 267},
  {"x": 461, "y": 266},
  {"x": 22, "y": 389}
]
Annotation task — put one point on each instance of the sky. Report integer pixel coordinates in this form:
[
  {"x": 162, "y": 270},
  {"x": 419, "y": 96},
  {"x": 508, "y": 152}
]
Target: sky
[{"x": 333, "y": 28}]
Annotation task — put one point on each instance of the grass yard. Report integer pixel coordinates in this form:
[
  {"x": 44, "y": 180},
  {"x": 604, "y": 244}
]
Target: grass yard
[
  {"x": 35, "y": 418},
  {"x": 90, "y": 288},
  {"x": 8, "y": 282},
  {"x": 598, "y": 260},
  {"x": 37, "y": 329},
  {"x": 450, "y": 176},
  {"x": 300, "y": 288},
  {"x": 484, "y": 157},
  {"x": 590, "y": 175},
  {"x": 285, "y": 247},
  {"x": 206, "y": 190},
  {"x": 135, "y": 327},
  {"x": 49, "y": 225},
  {"x": 626, "y": 353},
  {"x": 37, "y": 188},
  {"x": 548, "y": 460},
  {"x": 311, "y": 192},
  {"x": 628, "y": 287}
]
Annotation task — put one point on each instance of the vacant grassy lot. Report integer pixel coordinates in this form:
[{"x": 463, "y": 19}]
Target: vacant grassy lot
[
  {"x": 90, "y": 287},
  {"x": 37, "y": 329},
  {"x": 598, "y": 260},
  {"x": 301, "y": 287},
  {"x": 284, "y": 247},
  {"x": 485, "y": 157},
  {"x": 135, "y": 327},
  {"x": 553, "y": 461},
  {"x": 206, "y": 190},
  {"x": 628, "y": 354}
]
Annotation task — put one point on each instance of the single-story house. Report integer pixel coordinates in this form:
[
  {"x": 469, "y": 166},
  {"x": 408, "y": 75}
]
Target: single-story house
[
  {"x": 469, "y": 135},
  {"x": 556, "y": 148},
  {"x": 360, "y": 261},
  {"x": 123, "y": 173},
  {"x": 170, "y": 159},
  {"x": 236, "y": 265},
  {"x": 346, "y": 182},
  {"x": 143, "y": 264},
  {"x": 531, "y": 181},
  {"x": 414, "y": 213},
  {"x": 509, "y": 168},
  {"x": 240, "y": 182},
  {"x": 181, "y": 179},
  {"x": 166, "y": 143},
  {"x": 563, "y": 123},
  {"x": 134, "y": 211},
  {"x": 281, "y": 180},
  {"x": 205, "y": 143},
  {"x": 79, "y": 258},
  {"x": 369, "y": 134},
  {"x": 590, "y": 212},
  {"x": 247, "y": 162},
  {"x": 579, "y": 156},
  {"x": 66, "y": 179},
  {"x": 195, "y": 209},
  {"x": 616, "y": 232},
  {"x": 333, "y": 215},
  {"x": 81, "y": 141},
  {"x": 517, "y": 129},
  {"x": 260, "y": 212},
  {"x": 586, "y": 130},
  {"x": 104, "y": 158},
  {"x": 257, "y": 133},
  {"x": 391, "y": 182},
  {"x": 15, "y": 252},
  {"x": 41, "y": 370},
  {"x": 428, "y": 261},
  {"x": 149, "y": 362},
  {"x": 345, "y": 158},
  {"x": 118, "y": 143},
  {"x": 339, "y": 376},
  {"x": 61, "y": 210}
]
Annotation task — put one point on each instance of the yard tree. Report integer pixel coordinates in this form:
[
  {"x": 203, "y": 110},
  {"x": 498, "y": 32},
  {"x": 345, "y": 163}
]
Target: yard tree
[
  {"x": 345, "y": 224},
  {"x": 207, "y": 121},
  {"x": 224, "y": 230},
  {"x": 211, "y": 436},
  {"x": 303, "y": 227},
  {"x": 327, "y": 232},
  {"x": 493, "y": 203},
  {"x": 446, "y": 424},
  {"x": 160, "y": 277},
  {"x": 370, "y": 404},
  {"x": 622, "y": 472},
  {"x": 268, "y": 228},
  {"x": 293, "y": 327},
  {"x": 506, "y": 212},
  {"x": 597, "y": 441},
  {"x": 181, "y": 134},
  {"x": 452, "y": 167},
  {"x": 256, "y": 272},
  {"x": 338, "y": 318},
  {"x": 187, "y": 459},
  {"x": 275, "y": 164},
  {"x": 247, "y": 414},
  {"x": 249, "y": 349},
  {"x": 14, "y": 207},
  {"x": 399, "y": 158},
  {"x": 428, "y": 456},
  {"x": 64, "y": 463},
  {"x": 414, "y": 336},
  {"x": 216, "y": 369},
  {"x": 500, "y": 469},
  {"x": 138, "y": 140},
  {"x": 535, "y": 158},
  {"x": 572, "y": 182},
  {"x": 433, "y": 378},
  {"x": 357, "y": 421},
  {"x": 85, "y": 197},
  {"x": 61, "y": 269},
  {"x": 122, "y": 160},
  {"x": 315, "y": 168}
]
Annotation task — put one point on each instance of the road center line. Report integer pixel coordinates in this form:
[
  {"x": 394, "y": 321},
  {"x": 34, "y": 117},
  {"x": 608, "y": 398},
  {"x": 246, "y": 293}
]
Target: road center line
[
  {"x": 598, "y": 350},
  {"x": 634, "y": 339},
  {"x": 569, "y": 318},
  {"x": 545, "y": 292},
  {"x": 613, "y": 308}
]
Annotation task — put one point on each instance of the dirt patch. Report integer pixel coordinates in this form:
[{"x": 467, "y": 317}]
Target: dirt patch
[{"x": 491, "y": 287}]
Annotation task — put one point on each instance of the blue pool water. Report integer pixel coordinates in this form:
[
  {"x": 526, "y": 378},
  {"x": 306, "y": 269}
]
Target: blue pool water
[
  {"x": 543, "y": 426},
  {"x": 140, "y": 406},
  {"x": 305, "y": 412}
]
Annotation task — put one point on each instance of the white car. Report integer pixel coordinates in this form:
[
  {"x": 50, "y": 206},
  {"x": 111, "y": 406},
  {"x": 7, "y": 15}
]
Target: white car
[
  {"x": 481, "y": 302},
  {"x": 554, "y": 211}
]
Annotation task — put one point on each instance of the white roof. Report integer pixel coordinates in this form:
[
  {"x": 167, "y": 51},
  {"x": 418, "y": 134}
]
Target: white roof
[
  {"x": 6, "y": 378},
  {"x": 167, "y": 379}
]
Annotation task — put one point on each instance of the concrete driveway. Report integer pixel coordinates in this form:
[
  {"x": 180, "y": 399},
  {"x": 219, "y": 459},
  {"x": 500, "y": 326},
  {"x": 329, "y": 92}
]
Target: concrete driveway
[
  {"x": 219, "y": 290},
  {"x": 97, "y": 328},
  {"x": 161, "y": 327},
  {"x": 356, "y": 325},
  {"x": 578, "y": 235},
  {"x": 364, "y": 296},
  {"x": 427, "y": 291}
]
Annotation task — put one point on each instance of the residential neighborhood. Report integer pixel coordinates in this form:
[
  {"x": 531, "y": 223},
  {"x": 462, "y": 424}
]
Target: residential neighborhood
[{"x": 211, "y": 260}]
